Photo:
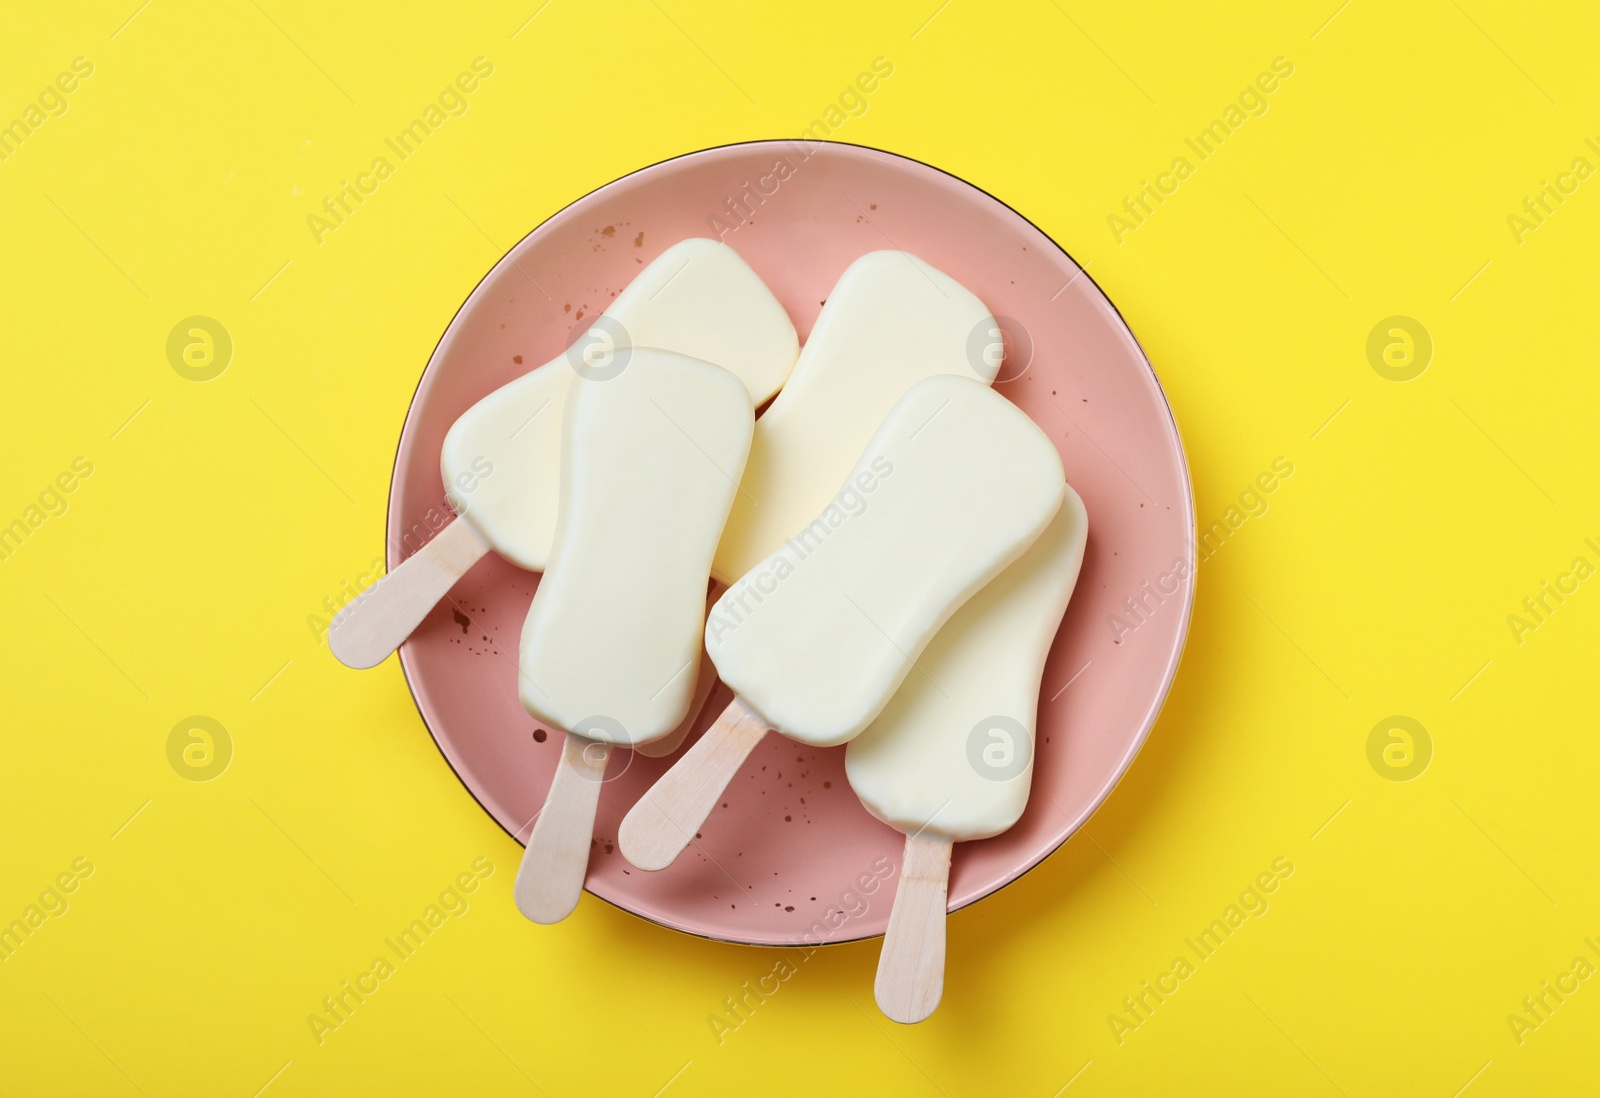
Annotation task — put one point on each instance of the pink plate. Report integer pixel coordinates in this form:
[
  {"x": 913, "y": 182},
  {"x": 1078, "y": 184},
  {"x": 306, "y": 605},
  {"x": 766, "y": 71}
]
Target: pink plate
[{"x": 781, "y": 862}]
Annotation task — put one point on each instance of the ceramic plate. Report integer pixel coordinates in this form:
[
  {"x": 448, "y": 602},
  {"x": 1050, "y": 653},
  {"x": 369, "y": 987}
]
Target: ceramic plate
[{"x": 783, "y": 860}]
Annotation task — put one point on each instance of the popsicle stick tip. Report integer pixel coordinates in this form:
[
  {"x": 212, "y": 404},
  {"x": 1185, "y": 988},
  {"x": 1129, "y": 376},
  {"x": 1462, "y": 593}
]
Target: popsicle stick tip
[
  {"x": 368, "y": 629},
  {"x": 539, "y": 905},
  {"x": 355, "y": 648},
  {"x": 645, "y": 837}
]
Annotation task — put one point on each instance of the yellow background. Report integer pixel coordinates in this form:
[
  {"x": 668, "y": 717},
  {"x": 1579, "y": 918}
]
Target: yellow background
[{"x": 179, "y": 582}]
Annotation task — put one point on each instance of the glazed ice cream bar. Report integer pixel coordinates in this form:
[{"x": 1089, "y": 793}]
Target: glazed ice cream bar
[
  {"x": 651, "y": 456},
  {"x": 950, "y": 758},
  {"x": 650, "y": 464},
  {"x": 955, "y": 485},
  {"x": 500, "y": 459}
]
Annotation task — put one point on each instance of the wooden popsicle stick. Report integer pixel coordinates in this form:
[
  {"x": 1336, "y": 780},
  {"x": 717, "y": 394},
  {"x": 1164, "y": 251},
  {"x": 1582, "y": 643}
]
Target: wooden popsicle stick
[
  {"x": 550, "y": 879},
  {"x": 911, "y": 965},
  {"x": 381, "y": 617},
  {"x": 703, "y": 685},
  {"x": 655, "y": 831}
]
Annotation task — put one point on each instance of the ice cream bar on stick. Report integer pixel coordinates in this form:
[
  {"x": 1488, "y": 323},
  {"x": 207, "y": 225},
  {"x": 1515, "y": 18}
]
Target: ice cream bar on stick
[
  {"x": 950, "y": 758},
  {"x": 500, "y": 461},
  {"x": 955, "y": 484},
  {"x": 651, "y": 456}
]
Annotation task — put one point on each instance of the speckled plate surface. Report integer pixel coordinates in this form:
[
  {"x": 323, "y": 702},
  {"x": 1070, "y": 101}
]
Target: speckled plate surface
[{"x": 783, "y": 860}]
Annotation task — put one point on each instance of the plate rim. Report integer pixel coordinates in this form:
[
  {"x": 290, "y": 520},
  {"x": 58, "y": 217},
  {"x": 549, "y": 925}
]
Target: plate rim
[{"x": 1172, "y": 662}]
